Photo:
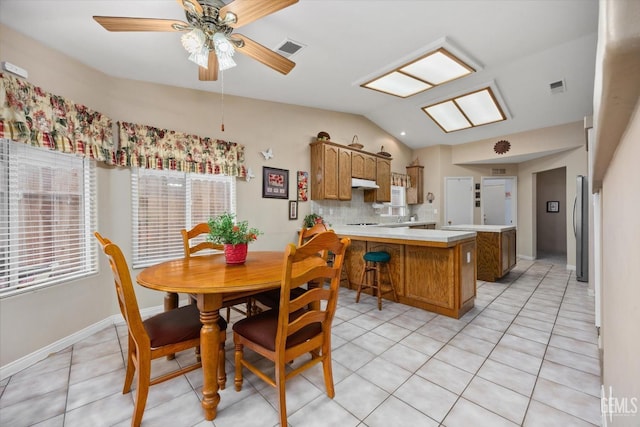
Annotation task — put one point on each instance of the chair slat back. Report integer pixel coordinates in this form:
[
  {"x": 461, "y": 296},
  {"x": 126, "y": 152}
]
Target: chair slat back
[
  {"x": 124, "y": 289},
  {"x": 323, "y": 299},
  {"x": 202, "y": 228},
  {"x": 308, "y": 233}
]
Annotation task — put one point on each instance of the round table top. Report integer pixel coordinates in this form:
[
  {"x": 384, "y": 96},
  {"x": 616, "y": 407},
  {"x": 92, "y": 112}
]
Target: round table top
[{"x": 211, "y": 274}]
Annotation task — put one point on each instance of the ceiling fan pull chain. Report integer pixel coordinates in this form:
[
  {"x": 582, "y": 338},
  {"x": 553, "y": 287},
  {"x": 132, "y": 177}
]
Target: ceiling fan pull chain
[{"x": 222, "y": 100}]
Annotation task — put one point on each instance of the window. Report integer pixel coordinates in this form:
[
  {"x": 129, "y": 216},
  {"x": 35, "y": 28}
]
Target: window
[
  {"x": 47, "y": 217},
  {"x": 398, "y": 205},
  {"x": 165, "y": 202}
]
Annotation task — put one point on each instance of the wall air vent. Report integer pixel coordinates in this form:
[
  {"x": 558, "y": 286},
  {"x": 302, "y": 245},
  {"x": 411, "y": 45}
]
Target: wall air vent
[
  {"x": 498, "y": 171},
  {"x": 288, "y": 48},
  {"x": 557, "y": 87}
]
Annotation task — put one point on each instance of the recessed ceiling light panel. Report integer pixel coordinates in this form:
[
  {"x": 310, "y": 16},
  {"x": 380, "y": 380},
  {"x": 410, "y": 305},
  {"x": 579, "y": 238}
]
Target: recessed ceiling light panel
[
  {"x": 480, "y": 107},
  {"x": 468, "y": 110},
  {"x": 448, "y": 116},
  {"x": 437, "y": 68},
  {"x": 398, "y": 84}
]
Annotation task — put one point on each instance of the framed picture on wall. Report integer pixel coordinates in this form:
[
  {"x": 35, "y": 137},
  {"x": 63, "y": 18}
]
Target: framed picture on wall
[
  {"x": 553, "y": 206},
  {"x": 293, "y": 209},
  {"x": 275, "y": 183}
]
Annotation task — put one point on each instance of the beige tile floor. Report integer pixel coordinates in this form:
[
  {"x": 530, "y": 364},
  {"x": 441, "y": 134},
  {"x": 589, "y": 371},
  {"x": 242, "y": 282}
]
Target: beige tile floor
[{"x": 526, "y": 355}]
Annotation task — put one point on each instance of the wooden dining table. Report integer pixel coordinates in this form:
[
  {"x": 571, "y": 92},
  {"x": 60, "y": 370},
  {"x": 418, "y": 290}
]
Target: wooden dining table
[{"x": 210, "y": 279}]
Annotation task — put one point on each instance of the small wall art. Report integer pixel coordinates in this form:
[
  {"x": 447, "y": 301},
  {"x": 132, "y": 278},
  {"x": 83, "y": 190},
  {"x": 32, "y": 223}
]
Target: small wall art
[
  {"x": 275, "y": 183},
  {"x": 293, "y": 209},
  {"x": 303, "y": 186},
  {"x": 553, "y": 206}
]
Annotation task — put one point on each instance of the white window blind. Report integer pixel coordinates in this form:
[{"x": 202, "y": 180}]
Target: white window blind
[
  {"x": 165, "y": 202},
  {"x": 47, "y": 217}
]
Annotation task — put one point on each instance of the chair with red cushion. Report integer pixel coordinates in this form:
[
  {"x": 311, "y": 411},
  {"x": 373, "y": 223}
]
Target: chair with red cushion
[
  {"x": 158, "y": 336},
  {"x": 301, "y": 325}
]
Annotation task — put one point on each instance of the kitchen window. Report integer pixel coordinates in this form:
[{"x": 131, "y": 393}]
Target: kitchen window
[
  {"x": 47, "y": 217},
  {"x": 398, "y": 205},
  {"x": 165, "y": 202}
]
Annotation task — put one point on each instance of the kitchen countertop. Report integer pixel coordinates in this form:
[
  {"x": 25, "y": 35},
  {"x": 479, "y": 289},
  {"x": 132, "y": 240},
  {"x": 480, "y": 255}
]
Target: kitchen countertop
[
  {"x": 404, "y": 233},
  {"x": 478, "y": 227},
  {"x": 405, "y": 224}
]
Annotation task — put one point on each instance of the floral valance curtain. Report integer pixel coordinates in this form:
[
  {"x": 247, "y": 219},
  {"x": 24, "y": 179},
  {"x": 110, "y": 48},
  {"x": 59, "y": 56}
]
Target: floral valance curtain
[
  {"x": 152, "y": 148},
  {"x": 33, "y": 116}
]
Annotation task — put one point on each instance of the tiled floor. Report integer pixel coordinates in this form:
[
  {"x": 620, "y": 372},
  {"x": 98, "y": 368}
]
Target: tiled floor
[{"x": 525, "y": 355}]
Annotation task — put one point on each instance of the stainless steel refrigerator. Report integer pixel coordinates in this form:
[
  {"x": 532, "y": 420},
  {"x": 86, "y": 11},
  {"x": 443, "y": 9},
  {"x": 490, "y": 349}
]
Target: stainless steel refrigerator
[{"x": 581, "y": 228}]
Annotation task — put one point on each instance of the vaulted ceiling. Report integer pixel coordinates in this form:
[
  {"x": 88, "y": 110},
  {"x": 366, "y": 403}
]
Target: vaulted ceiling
[{"x": 519, "y": 48}]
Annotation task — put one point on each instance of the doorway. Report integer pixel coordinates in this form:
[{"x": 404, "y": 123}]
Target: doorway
[
  {"x": 551, "y": 215},
  {"x": 499, "y": 195},
  {"x": 458, "y": 194}
]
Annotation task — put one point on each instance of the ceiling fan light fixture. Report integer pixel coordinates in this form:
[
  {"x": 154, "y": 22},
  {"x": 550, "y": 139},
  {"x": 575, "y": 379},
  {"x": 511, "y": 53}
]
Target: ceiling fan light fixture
[
  {"x": 200, "y": 57},
  {"x": 194, "y": 40},
  {"x": 224, "y": 51}
]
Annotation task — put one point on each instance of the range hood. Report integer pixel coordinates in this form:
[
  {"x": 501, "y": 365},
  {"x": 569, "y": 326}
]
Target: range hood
[{"x": 365, "y": 184}]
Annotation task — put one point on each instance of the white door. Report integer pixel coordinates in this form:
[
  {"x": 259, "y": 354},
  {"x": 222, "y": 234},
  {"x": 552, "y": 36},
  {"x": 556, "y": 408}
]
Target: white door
[
  {"x": 458, "y": 196},
  {"x": 493, "y": 199},
  {"x": 499, "y": 200}
]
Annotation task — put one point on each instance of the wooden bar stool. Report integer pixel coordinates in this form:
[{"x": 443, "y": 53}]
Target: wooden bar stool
[{"x": 372, "y": 264}]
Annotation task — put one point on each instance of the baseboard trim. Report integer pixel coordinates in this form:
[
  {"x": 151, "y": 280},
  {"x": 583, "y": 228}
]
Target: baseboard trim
[{"x": 18, "y": 365}]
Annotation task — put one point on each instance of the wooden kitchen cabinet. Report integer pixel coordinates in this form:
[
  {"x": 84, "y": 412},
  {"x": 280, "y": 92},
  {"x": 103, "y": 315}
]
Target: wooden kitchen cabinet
[
  {"x": 383, "y": 179},
  {"x": 333, "y": 165},
  {"x": 415, "y": 193},
  {"x": 435, "y": 276},
  {"x": 330, "y": 172},
  {"x": 363, "y": 165}
]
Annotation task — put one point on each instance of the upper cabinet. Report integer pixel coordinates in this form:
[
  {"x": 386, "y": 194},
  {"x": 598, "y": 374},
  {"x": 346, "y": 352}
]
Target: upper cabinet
[
  {"x": 333, "y": 165},
  {"x": 415, "y": 193},
  {"x": 330, "y": 172},
  {"x": 363, "y": 165},
  {"x": 383, "y": 179}
]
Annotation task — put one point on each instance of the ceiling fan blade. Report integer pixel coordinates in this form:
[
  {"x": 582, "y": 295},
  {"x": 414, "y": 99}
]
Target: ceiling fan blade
[
  {"x": 191, "y": 6},
  {"x": 115, "y": 23},
  {"x": 264, "y": 55},
  {"x": 247, "y": 11},
  {"x": 209, "y": 74}
]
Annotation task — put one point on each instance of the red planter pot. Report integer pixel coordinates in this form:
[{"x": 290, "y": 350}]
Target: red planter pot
[{"x": 235, "y": 254}]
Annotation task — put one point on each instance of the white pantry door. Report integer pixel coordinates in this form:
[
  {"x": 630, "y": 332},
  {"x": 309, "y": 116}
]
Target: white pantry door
[{"x": 458, "y": 196}]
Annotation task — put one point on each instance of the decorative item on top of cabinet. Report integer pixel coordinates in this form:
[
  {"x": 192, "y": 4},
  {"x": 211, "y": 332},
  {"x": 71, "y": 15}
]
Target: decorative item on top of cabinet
[
  {"x": 415, "y": 193},
  {"x": 355, "y": 143}
]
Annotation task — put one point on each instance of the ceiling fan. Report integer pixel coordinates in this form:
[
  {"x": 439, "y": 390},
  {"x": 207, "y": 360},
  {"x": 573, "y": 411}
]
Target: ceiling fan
[{"x": 208, "y": 32}]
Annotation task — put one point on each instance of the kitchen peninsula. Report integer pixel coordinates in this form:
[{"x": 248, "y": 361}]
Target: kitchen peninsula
[
  {"x": 496, "y": 246},
  {"x": 432, "y": 269}
]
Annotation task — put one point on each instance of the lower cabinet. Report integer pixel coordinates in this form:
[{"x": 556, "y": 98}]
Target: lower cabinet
[
  {"x": 496, "y": 254},
  {"x": 436, "y": 278}
]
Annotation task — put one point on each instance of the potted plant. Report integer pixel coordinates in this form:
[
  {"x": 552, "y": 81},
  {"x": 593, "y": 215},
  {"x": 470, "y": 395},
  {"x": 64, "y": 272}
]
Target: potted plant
[
  {"x": 312, "y": 219},
  {"x": 235, "y": 236}
]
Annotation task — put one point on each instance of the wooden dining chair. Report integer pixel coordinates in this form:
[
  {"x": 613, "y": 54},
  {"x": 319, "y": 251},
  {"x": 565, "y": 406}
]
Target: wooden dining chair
[
  {"x": 299, "y": 326},
  {"x": 165, "y": 333},
  {"x": 271, "y": 298},
  {"x": 232, "y": 302}
]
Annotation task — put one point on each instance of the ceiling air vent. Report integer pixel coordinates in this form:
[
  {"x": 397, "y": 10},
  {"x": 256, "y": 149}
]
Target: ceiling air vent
[
  {"x": 498, "y": 171},
  {"x": 557, "y": 87},
  {"x": 289, "y": 48}
]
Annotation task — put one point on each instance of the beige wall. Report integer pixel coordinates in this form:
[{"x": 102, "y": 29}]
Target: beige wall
[
  {"x": 49, "y": 315},
  {"x": 621, "y": 272}
]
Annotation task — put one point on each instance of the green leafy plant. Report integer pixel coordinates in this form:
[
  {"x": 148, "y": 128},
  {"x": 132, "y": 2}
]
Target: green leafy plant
[
  {"x": 312, "y": 219},
  {"x": 225, "y": 230}
]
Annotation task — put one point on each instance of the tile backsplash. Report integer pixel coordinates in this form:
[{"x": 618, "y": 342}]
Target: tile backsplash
[{"x": 356, "y": 210}]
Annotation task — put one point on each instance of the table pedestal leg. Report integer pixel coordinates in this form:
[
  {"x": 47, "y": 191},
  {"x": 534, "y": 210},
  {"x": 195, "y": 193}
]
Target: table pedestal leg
[
  {"x": 209, "y": 346},
  {"x": 170, "y": 302}
]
